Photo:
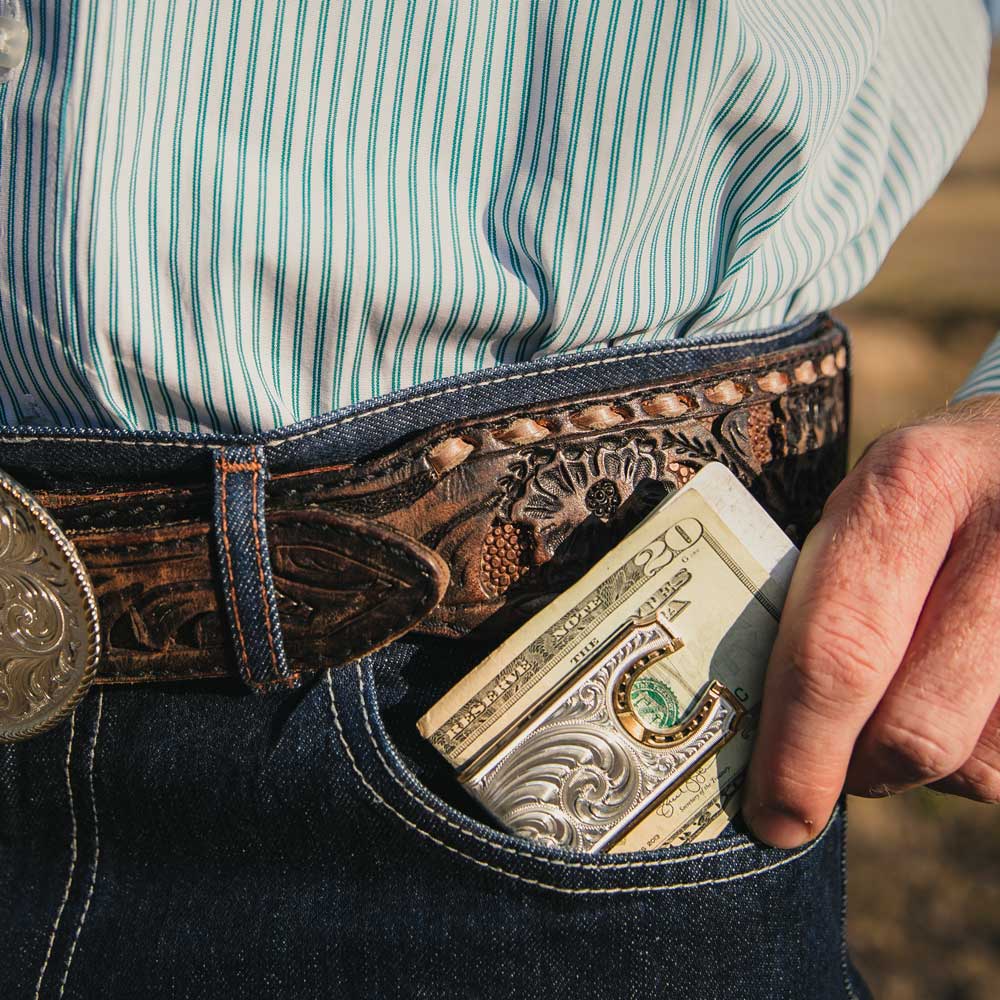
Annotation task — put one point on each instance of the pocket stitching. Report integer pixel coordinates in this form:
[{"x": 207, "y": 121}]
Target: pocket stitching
[
  {"x": 585, "y": 890},
  {"x": 72, "y": 858},
  {"x": 845, "y": 965},
  {"x": 716, "y": 852}
]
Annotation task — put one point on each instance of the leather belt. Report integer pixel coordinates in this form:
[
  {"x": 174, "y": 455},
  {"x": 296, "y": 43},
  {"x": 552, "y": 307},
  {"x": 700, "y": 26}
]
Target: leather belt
[{"x": 464, "y": 529}]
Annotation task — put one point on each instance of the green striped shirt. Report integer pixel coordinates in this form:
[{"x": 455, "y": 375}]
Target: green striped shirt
[{"x": 225, "y": 215}]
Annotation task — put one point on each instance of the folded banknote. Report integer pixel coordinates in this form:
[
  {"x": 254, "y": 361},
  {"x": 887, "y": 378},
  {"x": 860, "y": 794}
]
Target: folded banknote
[{"x": 621, "y": 717}]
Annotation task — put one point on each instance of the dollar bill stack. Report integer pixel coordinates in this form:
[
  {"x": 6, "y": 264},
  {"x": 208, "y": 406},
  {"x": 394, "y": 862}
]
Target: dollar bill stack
[{"x": 621, "y": 717}]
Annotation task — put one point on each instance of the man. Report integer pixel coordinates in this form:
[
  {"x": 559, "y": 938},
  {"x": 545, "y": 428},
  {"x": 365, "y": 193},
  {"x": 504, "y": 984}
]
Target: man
[{"x": 328, "y": 333}]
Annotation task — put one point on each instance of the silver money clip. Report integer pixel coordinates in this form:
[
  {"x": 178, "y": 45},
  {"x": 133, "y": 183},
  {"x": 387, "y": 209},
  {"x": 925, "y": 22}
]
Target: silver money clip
[{"x": 603, "y": 749}]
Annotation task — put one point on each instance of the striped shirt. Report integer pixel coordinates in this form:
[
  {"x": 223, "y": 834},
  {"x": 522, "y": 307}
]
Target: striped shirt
[{"x": 235, "y": 214}]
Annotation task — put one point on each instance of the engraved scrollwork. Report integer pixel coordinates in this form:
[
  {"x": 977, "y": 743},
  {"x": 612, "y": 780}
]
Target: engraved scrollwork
[
  {"x": 574, "y": 782},
  {"x": 32, "y": 616},
  {"x": 578, "y": 777},
  {"x": 33, "y": 619},
  {"x": 47, "y": 650}
]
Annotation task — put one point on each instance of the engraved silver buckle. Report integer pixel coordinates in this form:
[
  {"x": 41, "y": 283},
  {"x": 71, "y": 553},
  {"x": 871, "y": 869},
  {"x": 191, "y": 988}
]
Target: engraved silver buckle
[{"x": 50, "y": 639}]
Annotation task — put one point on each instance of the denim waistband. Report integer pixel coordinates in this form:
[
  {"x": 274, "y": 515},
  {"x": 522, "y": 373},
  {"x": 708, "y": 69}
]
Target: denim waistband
[{"x": 58, "y": 454}]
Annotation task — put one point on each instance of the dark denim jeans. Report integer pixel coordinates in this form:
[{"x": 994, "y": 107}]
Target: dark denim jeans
[{"x": 203, "y": 841}]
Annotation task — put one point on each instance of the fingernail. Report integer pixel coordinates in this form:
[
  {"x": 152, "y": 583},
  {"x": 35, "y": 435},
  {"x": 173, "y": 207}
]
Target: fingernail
[
  {"x": 880, "y": 792},
  {"x": 778, "y": 827}
]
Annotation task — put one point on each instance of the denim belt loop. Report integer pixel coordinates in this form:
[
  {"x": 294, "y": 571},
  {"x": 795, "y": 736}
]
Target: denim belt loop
[{"x": 245, "y": 569}]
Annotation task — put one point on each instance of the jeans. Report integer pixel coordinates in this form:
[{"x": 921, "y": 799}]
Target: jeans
[{"x": 200, "y": 840}]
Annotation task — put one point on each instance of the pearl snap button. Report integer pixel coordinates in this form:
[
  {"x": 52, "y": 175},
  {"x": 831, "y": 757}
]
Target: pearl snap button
[{"x": 13, "y": 43}]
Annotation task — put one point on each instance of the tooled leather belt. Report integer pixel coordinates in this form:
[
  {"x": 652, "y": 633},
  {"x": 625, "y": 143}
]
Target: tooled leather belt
[{"x": 466, "y": 528}]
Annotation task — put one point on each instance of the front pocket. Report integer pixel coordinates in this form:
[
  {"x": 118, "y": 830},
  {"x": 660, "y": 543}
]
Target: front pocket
[{"x": 396, "y": 780}]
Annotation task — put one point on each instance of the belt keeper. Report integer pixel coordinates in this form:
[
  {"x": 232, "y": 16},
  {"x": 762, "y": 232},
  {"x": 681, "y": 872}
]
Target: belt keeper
[{"x": 244, "y": 566}]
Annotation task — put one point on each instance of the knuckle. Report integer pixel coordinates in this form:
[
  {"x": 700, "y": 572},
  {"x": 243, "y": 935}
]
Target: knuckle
[
  {"x": 907, "y": 474},
  {"x": 978, "y": 780},
  {"x": 835, "y": 657},
  {"x": 904, "y": 457},
  {"x": 908, "y": 755}
]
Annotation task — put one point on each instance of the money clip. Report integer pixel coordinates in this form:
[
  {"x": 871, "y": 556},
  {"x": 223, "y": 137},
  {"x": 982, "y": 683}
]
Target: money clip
[{"x": 603, "y": 749}]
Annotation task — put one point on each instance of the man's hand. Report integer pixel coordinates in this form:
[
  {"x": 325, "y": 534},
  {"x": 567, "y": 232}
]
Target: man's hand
[{"x": 886, "y": 670}]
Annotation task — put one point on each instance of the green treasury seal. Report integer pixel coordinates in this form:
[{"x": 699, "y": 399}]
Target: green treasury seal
[{"x": 654, "y": 703}]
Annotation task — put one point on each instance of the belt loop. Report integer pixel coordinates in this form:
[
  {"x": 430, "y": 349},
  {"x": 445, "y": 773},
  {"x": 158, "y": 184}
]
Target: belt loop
[{"x": 245, "y": 569}]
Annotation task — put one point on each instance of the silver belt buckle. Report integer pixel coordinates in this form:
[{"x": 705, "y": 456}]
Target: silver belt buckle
[{"x": 50, "y": 639}]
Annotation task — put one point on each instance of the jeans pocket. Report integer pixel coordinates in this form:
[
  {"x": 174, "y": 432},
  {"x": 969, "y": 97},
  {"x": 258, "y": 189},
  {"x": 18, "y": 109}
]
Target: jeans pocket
[
  {"x": 386, "y": 776},
  {"x": 721, "y": 917}
]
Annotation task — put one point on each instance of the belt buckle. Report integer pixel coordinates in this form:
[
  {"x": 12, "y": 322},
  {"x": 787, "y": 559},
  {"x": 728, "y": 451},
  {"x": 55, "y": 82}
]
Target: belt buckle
[{"x": 49, "y": 628}]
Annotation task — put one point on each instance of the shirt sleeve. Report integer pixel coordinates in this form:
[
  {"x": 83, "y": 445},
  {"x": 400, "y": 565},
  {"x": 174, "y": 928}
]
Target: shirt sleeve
[
  {"x": 985, "y": 377},
  {"x": 993, "y": 8}
]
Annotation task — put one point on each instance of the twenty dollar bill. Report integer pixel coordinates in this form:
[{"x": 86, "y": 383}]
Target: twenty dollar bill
[{"x": 621, "y": 717}]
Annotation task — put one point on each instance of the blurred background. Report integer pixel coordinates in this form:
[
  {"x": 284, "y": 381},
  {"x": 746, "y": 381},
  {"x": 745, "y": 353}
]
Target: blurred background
[{"x": 924, "y": 876}]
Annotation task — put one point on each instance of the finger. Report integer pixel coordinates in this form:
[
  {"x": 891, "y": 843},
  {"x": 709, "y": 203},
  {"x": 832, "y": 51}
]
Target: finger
[
  {"x": 979, "y": 777},
  {"x": 929, "y": 720},
  {"x": 853, "y": 603}
]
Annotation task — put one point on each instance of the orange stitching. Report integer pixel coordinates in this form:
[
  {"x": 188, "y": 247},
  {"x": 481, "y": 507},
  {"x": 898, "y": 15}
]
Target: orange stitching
[
  {"x": 57, "y": 500},
  {"x": 229, "y": 570},
  {"x": 239, "y": 466},
  {"x": 260, "y": 573},
  {"x": 310, "y": 472}
]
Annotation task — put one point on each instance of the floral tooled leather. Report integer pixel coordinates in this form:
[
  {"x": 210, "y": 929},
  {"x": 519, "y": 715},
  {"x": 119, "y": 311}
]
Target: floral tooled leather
[
  {"x": 568, "y": 485},
  {"x": 517, "y": 523}
]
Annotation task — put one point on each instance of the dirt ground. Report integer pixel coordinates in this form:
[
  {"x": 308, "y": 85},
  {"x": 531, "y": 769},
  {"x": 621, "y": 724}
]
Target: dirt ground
[{"x": 924, "y": 883}]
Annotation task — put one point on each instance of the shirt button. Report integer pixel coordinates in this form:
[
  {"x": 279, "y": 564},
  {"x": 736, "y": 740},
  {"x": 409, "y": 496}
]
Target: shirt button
[{"x": 13, "y": 43}]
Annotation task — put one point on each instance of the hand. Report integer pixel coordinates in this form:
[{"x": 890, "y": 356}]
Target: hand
[{"x": 886, "y": 671}]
